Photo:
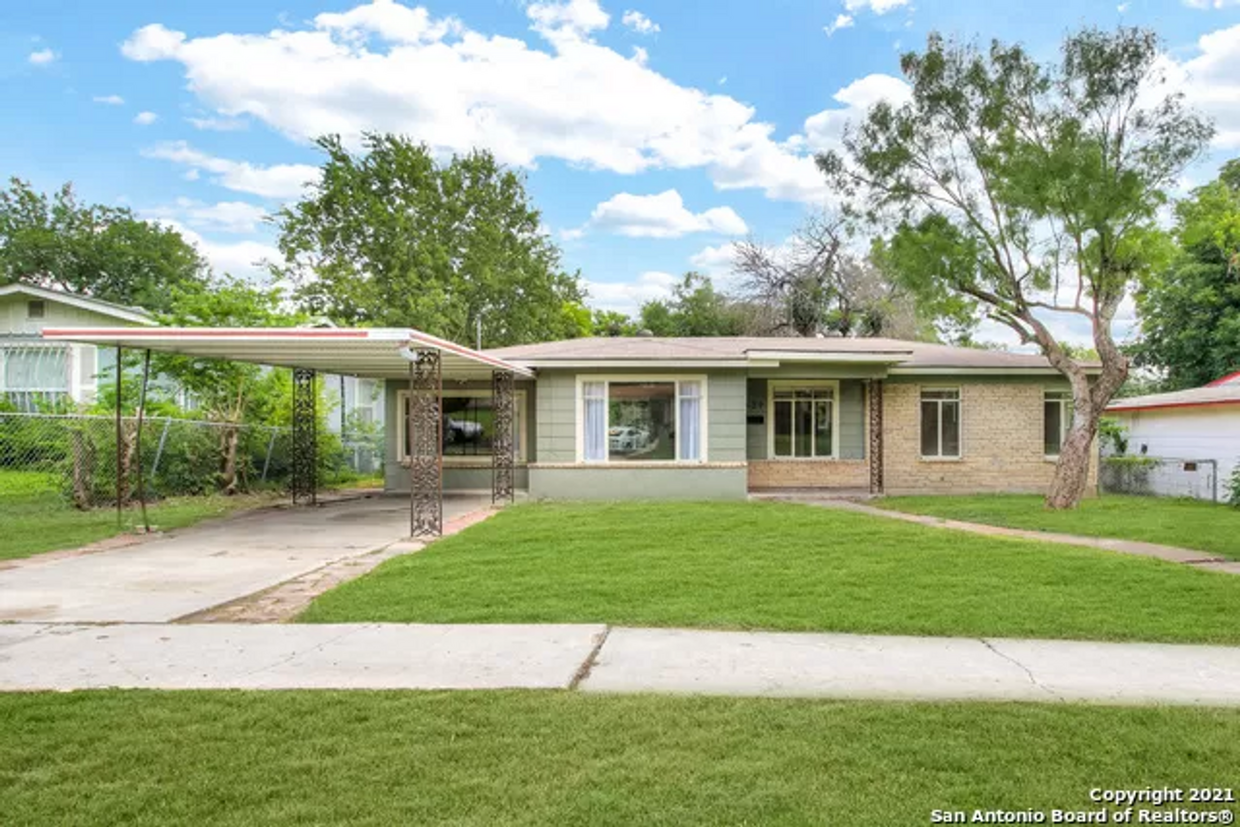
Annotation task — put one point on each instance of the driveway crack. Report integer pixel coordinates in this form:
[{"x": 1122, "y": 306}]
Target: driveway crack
[{"x": 1028, "y": 672}]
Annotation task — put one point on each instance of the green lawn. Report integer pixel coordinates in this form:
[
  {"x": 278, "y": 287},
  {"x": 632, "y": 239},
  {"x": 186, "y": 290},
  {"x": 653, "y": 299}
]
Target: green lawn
[
  {"x": 782, "y": 566},
  {"x": 1173, "y": 522},
  {"x": 36, "y": 518},
  {"x": 533, "y": 758}
]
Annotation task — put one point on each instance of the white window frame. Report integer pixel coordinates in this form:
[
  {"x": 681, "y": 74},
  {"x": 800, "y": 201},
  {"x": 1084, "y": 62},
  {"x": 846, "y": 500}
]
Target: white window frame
[
  {"x": 941, "y": 457},
  {"x": 808, "y": 384},
  {"x": 521, "y": 425},
  {"x": 676, "y": 379},
  {"x": 1065, "y": 417}
]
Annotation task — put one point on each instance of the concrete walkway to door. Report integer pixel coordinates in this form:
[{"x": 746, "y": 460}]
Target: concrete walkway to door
[
  {"x": 1173, "y": 554},
  {"x": 197, "y": 568}
]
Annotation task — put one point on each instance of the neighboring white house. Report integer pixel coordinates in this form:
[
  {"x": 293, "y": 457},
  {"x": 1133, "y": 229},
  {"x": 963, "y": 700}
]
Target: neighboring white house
[
  {"x": 34, "y": 372},
  {"x": 1190, "y": 427}
]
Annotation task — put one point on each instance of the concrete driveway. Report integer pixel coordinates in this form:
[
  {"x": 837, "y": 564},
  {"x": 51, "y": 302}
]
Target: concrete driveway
[{"x": 200, "y": 567}]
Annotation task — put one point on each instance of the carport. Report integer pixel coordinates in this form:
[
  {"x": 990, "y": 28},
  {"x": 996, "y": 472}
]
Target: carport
[{"x": 393, "y": 354}]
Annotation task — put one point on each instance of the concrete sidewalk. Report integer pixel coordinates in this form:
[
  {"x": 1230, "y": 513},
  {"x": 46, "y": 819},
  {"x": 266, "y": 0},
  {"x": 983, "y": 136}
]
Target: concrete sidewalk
[{"x": 594, "y": 658}]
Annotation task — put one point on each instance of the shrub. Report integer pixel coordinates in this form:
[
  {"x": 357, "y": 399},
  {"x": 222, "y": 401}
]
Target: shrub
[{"x": 1233, "y": 487}]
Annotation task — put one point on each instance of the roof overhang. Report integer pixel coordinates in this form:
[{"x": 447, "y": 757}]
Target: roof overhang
[
  {"x": 1163, "y": 406},
  {"x": 753, "y": 359},
  {"x": 930, "y": 370},
  {"x": 380, "y": 353}
]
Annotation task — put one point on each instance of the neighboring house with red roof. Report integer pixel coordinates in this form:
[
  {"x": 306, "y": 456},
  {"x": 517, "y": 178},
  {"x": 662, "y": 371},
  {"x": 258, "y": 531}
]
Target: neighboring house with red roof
[{"x": 1190, "y": 425}]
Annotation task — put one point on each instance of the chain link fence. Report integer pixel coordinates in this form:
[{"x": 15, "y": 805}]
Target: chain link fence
[
  {"x": 1160, "y": 477},
  {"x": 178, "y": 457}
]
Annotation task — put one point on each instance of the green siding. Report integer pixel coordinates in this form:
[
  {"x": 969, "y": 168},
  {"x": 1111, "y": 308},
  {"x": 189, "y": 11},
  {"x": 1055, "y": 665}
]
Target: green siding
[
  {"x": 726, "y": 416},
  {"x": 755, "y": 432},
  {"x": 599, "y": 482},
  {"x": 852, "y": 419},
  {"x": 557, "y": 414}
]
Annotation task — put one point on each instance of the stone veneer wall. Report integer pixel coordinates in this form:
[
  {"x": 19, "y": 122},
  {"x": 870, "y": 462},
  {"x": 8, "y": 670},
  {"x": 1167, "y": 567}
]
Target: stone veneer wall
[{"x": 1002, "y": 448}]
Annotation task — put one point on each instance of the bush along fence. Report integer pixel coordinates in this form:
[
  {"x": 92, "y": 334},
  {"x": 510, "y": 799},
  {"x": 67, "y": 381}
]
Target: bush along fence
[
  {"x": 1160, "y": 477},
  {"x": 178, "y": 456}
]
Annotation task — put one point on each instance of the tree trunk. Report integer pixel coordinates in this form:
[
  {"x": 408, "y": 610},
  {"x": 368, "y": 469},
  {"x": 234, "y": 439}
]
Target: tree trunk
[
  {"x": 1072, "y": 470},
  {"x": 228, "y": 447}
]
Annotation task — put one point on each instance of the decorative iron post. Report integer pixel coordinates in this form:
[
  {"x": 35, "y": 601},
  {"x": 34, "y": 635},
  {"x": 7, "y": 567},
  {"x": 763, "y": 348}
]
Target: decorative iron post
[
  {"x": 875, "y": 393},
  {"x": 305, "y": 436},
  {"x": 424, "y": 436},
  {"x": 503, "y": 437}
]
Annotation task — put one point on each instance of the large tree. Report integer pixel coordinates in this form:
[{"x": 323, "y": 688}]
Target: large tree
[
  {"x": 1190, "y": 312},
  {"x": 814, "y": 284},
  {"x": 106, "y": 252},
  {"x": 1031, "y": 190},
  {"x": 393, "y": 237}
]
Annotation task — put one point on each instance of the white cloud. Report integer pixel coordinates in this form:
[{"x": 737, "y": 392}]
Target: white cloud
[
  {"x": 227, "y": 216},
  {"x": 1211, "y": 4},
  {"x": 145, "y": 118},
  {"x": 639, "y": 22},
  {"x": 110, "y": 100},
  {"x": 876, "y": 6},
  {"x": 574, "y": 18},
  {"x": 218, "y": 124},
  {"x": 843, "y": 21},
  {"x": 278, "y": 181},
  {"x": 716, "y": 261},
  {"x": 1210, "y": 82},
  {"x": 242, "y": 259},
  {"x": 628, "y": 297},
  {"x": 824, "y": 130},
  {"x": 381, "y": 66},
  {"x": 662, "y": 216},
  {"x": 1122, "y": 7},
  {"x": 42, "y": 57},
  {"x": 640, "y": 55}
]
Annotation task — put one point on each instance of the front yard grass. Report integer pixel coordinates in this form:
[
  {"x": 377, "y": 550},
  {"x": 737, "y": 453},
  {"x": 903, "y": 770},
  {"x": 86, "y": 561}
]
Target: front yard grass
[
  {"x": 1185, "y": 523},
  {"x": 35, "y": 517},
  {"x": 525, "y": 758},
  {"x": 781, "y": 566}
]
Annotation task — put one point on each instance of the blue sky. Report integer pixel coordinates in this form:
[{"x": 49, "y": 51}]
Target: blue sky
[{"x": 653, "y": 133}]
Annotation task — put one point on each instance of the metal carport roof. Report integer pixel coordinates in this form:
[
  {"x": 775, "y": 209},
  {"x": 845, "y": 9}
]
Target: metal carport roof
[{"x": 380, "y": 353}]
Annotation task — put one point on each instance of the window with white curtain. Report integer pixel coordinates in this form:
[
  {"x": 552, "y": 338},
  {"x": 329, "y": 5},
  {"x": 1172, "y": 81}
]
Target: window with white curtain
[{"x": 643, "y": 420}]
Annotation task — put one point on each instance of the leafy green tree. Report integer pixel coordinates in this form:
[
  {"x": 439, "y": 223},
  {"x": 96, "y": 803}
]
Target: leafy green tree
[
  {"x": 230, "y": 393},
  {"x": 105, "y": 252},
  {"x": 613, "y": 323},
  {"x": 391, "y": 237},
  {"x": 1028, "y": 190},
  {"x": 696, "y": 308},
  {"x": 1190, "y": 312}
]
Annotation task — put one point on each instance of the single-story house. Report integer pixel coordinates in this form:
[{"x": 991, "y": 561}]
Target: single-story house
[
  {"x": 647, "y": 417},
  {"x": 1197, "y": 431}
]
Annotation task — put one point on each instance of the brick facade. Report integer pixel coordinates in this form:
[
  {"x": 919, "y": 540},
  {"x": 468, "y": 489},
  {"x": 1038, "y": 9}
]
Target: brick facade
[
  {"x": 809, "y": 473},
  {"x": 1001, "y": 451}
]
